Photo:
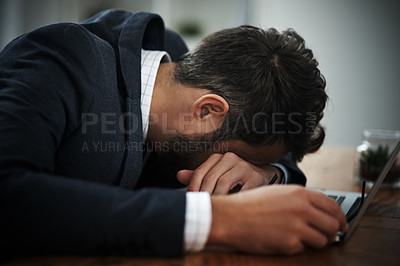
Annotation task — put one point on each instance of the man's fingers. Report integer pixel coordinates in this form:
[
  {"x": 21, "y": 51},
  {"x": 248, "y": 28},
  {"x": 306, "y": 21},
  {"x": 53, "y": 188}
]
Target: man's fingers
[
  {"x": 184, "y": 176},
  {"x": 314, "y": 239},
  {"x": 198, "y": 175},
  {"x": 325, "y": 223},
  {"x": 229, "y": 180},
  {"x": 327, "y": 205},
  {"x": 219, "y": 175},
  {"x": 253, "y": 182}
]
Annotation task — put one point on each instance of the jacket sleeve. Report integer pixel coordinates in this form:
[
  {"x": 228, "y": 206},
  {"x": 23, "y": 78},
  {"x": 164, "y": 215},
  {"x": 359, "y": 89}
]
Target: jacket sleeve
[
  {"x": 41, "y": 212},
  {"x": 293, "y": 174},
  {"x": 174, "y": 45}
]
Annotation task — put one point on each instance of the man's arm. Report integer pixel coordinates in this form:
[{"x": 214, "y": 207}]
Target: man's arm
[
  {"x": 221, "y": 173},
  {"x": 43, "y": 212},
  {"x": 275, "y": 220}
]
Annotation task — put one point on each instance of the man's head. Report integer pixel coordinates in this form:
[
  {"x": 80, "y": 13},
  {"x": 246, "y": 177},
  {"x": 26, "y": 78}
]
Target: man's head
[
  {"x": 253, "y": 87},
  {"x": 270, "y": 81}
]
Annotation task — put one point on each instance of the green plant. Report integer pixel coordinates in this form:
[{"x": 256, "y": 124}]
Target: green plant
[
  {"x": 375, "y": 158},
  {"x": 372, "y": 161},
  {"x": 190, "y": 28}
]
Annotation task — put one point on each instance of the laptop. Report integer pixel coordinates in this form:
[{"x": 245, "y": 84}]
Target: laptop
[{"x": 353, "y": 204}]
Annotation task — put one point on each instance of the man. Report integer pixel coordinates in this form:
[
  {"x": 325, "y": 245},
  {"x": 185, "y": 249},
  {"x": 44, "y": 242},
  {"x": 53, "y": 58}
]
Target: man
[{"x": 97, "y": 124}]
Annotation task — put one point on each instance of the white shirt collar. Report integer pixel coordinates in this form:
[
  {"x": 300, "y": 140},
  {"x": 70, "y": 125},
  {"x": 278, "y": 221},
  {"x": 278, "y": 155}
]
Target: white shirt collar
[{"x": 149, "y": 67}]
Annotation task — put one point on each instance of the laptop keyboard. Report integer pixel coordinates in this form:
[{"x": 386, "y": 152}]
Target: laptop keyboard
[{"x": 339, "y": 199}]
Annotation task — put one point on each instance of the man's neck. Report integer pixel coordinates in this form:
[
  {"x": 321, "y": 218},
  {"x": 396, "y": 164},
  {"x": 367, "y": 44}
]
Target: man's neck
[
  {"x": 165, "y": 92},
  {"x": 163, "y": 89},
  {"x": 170, "y": 99}
]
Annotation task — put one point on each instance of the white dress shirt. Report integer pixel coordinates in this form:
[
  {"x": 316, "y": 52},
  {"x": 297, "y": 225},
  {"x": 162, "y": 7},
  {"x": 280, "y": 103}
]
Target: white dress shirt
[{"x": 198, "y": 204}]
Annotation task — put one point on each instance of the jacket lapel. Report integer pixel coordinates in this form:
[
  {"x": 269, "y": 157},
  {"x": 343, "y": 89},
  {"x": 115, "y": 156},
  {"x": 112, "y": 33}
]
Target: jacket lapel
[{"x": 147, "y": 31}]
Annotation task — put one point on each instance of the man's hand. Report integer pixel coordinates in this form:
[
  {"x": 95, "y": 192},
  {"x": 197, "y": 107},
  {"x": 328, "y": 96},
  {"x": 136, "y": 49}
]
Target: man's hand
[
  {"x": 275, "y": 220},
  {"x": 222, "y": 172}
]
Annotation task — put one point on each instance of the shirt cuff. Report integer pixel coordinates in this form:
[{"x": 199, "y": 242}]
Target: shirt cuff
[
  {"x": 284, "y": 171},
  {"x": 197, "y": 220}
]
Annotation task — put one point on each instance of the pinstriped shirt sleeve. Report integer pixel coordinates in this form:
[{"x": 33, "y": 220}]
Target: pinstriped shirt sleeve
[{"x": 197, "y": 220}]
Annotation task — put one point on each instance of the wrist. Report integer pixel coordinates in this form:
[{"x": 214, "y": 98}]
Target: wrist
[
  {"x": 221, "y": 221},
  {"x": 270, "y": 171}
]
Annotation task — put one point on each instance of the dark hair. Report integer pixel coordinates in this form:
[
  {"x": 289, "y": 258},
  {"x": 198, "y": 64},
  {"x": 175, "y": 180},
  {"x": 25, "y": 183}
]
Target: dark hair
[{"x": 270, "y": 81}]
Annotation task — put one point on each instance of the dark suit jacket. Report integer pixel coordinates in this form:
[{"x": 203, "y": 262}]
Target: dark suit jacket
[{"x": 70, "y": 135}]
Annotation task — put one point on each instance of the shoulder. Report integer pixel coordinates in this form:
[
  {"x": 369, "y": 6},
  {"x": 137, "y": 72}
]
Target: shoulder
[
  {"x": 56, "y": 64},
  {"x": 61, "y": 41}
]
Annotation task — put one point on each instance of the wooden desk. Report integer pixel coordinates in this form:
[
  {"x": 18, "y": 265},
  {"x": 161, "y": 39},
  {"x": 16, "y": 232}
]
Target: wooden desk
[{"x": 375, "y": 242}]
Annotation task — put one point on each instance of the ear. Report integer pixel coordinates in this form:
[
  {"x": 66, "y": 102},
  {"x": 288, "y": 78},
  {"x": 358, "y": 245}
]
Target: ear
[{"x": 208, "y": 112}]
